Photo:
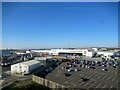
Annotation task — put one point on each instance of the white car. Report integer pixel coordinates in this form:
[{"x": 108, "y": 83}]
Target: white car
[
  {"x": 103, "y": 65},
  {"x": 86, "y": 66},
  {"x": 77, "y": 69},
  {"x": 69, "y": 70},
  {"x": 104, "y": 69}
]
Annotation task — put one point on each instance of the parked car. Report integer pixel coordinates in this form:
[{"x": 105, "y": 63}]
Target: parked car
[
  {"x": 67, "y": 74},
  {"x": 69, "y": 70},
  {"x": 93, "y": 67},
  {"x": 78, "y": 62},
  {"x": 74, "y": 65},
  {"x": 49, "y": 69},
  {"x": 78, "y": 65},
  {"x": 115, "y": 66},
  {"x": 65, "y": 60},
  {"x": 84, "y": 79},
  {"x": 83, "y": 65},
  {"x": 100, "y": 64},
  {"x": 63, "y": 67},
  {"x": 68, "y": 63},
  {"x": 103, "y": 69},
  {"x": 93, "y": 64},
  {"x": 88, "y": 66},
  {"x": 57, "y": 63},
  {"x": 103, "y": 65},
  {"x": 77, "y": 69},
  {"x": 66, "y": 67}
]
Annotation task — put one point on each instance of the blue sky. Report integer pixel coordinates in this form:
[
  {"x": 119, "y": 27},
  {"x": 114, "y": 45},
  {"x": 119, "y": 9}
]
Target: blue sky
[{"x": 59, "y": 25}]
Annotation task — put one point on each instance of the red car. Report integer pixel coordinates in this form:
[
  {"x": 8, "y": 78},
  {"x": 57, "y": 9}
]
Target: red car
[
  {"x": 72, "y": 61},
  {"x": 78, "y": 65}
]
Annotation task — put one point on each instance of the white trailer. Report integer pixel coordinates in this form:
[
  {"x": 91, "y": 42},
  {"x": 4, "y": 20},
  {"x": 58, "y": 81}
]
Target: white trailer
[{"x": 25, "y": 67}]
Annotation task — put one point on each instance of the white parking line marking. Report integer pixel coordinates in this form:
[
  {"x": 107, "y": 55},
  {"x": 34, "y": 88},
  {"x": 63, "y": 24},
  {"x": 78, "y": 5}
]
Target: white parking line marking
[
  {"x": 108, "y": 74},
  {"x": 92, "y": 85},
  {"x": 105, "y": 76},
  {"x": 98, "y": 85},
  {"x": 113, "y": 79},
  {"x": 108, "y": 78},
  {"x": 99, "y": 76},
  {"x": 115, "y": 73},
  {"x": 111, "y": 86},
  {"x": 87, "y": 83},
  {"x": 104, "y": 86},
  {"x": 81, "y": 83}
]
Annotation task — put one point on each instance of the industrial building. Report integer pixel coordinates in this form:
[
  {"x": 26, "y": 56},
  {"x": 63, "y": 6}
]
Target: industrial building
[
  {"x": 80, "y": 52},
  {"x": 107, "y": 54},
  {"x": 89, "y": 52},
  {"x": 27, "y": 67}
]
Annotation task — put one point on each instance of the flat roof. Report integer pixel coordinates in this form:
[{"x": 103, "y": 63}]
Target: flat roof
[{"x": 31, "y": 62}]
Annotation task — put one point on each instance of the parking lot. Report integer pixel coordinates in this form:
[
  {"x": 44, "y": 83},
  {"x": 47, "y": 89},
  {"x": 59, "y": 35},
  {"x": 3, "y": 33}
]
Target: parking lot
[{"x": 97, "y": 77}]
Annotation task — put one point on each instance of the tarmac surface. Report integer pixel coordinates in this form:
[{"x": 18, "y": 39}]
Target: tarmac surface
[
  {"x": 7, "y": 77},
  {"x": 97, "y": 77}
]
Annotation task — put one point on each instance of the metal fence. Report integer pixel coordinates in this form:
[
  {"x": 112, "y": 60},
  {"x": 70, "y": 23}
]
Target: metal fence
[{"x": 47, "y": 83}]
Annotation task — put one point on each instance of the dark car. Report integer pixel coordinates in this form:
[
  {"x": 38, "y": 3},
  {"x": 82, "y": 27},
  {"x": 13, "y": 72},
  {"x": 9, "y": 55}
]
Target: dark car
[
  {"x": 84, "y": 79},
  {"x": 75, "y": 65},
  {"x": 78, "y": 62},
  {"x": 65, "y": 60},
  {"x": 49, "y": 69},
  {"x": 67, "y": 67},
  {"x": 105, "y": 65},
  {"x": 56, "y": 64},
  {"x": 67, "y": 74},
  {"x": 115, "y": 66},
  {"x": 68, "y": 63},
  {"x": 98, "y": 62},
  {"x": 93, "y": 64},
  {"x": 109, "y": 64},
  {"x": 93, "y": 67}
]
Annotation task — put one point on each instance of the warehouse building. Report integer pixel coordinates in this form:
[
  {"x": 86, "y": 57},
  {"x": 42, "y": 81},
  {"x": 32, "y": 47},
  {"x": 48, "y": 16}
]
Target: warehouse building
[
  {"x": 27, "y": 67},
  {"x": 80, "y": 52}
]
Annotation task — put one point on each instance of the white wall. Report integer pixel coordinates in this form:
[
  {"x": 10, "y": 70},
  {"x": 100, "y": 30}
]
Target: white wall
[
  {"x": 106, "y": 53},
  {"x": 95, "y": 49},
  {"x": 14, "y": 68},
  {"x": 89, "y": 54},
  {"x": 24, "y": 68},
  {"x": 28, "y": 51},
  {"x": 56, "y": 51}
]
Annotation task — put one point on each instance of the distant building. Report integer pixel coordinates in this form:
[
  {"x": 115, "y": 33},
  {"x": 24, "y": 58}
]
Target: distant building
[
  {"x": 80, "y": 52},
  {"x": 111, "y": 53}
]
